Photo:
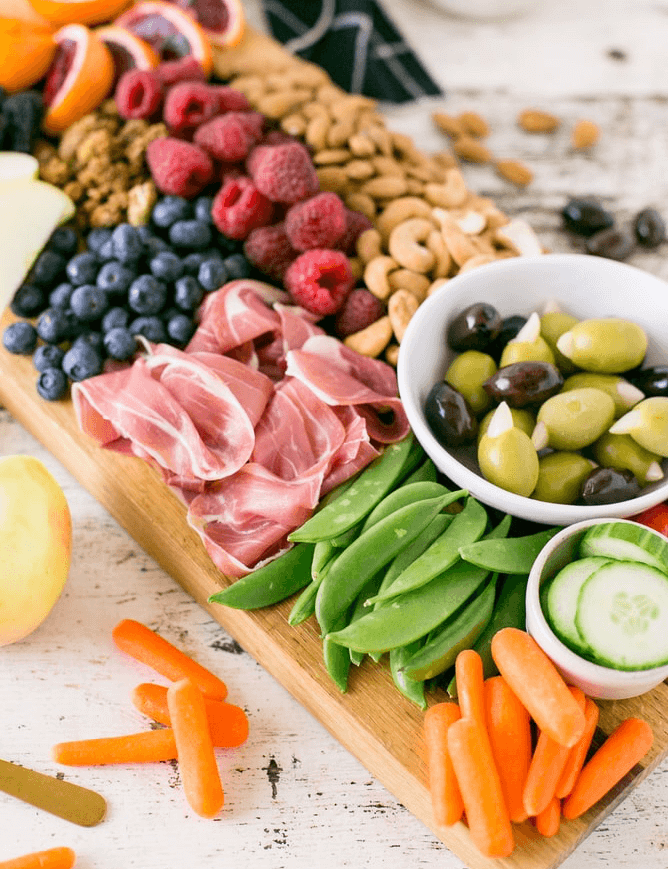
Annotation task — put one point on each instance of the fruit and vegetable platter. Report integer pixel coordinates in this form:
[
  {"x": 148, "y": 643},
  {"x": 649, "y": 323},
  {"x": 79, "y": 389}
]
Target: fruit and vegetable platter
[{"x": 211, "y": 255}]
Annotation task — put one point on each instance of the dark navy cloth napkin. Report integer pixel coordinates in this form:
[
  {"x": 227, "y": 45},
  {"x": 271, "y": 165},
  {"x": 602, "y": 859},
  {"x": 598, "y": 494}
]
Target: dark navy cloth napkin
[{"x": 355, "y": 42}]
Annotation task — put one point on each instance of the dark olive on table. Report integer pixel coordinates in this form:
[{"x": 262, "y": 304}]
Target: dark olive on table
[
  {"x": 616, "y": 242},
  {"x": 651, "y": 381},
  {"x": 449, "y": 416},
  {"x": 649, "y": 228},
  {"x": 510, "y": 326},
  {"x": 475, "y": 328},
  {"x": 586, "y": 216},
  {"x": 524, "y": 384},
  {"x": 609, "y": 486}
]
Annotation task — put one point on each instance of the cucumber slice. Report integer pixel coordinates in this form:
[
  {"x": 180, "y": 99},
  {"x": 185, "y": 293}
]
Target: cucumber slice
[
  {"x": 622, "y": 615},
  {"x": 561, "y": 599},
  {"x": 625, "y": 542}
]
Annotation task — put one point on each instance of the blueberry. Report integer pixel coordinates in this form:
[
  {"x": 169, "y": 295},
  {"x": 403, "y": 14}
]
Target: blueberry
[
  {"x": 28, "y": 301},
  {"x": 48, "y": 268},
  {"x": 114, "y": 277},
  {"x": 105, "y": 252},
  {"x": 203, "y": 208},
  {"x": 52, "y": 384},
  {"x": 23, "y": 112},
  {"x": 89, "y": 302},
  {"x": 82, "y": 361},
  {"x": 120, "y": 343},
  {"x": 180, "y": 329},
  {"x": 226, "y": 244},
  {"x": 152, "y": 328},
  {"x": 166, "y": 266},
  {"x": 192, "y": 262},
  {"x": 60, "y": 297},
  {"x": 126, "y": 243},
  {"x": 97, "y": 237},
  {"x": 72, "y": 324},
  {"x": 237, "y": 266},
  {"x": 191, "y": 234},
  {"x": 188, "y": 293},
  {"x": 53, "y": 325},
  {"x": 115, "y": 318},
  {"x": 155, "y": 245},
  {"x": 145, "y": 232},
  {"x": 20, "y": 338},
  {"x": 82, "y": 269},
  {"x": 147, "y": 295},
  {"x": 92, "y": 338},
  {"x": 212, "y": 274},
  {"x": 169, "y": 209},
  {"x": 47, "y": 356},
  {"x": 63, "y": 241}
]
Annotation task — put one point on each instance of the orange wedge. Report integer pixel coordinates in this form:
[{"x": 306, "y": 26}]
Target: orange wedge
[
  {"x": 87, "y": 12},
  {"x": 80, "y": 77},
  {"x": 223, "y": 21},
  {"x": 26, "y": 53},
  {"x": 22, "y": 10},
  {"x": 127, "y": 50}
]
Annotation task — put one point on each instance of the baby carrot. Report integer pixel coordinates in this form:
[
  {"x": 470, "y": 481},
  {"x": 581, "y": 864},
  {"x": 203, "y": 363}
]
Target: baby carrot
[
  {"x": 547, "y": 764},
  {"x": 620, "y": 752},
  {"x": 145, "y": 747},
  {"x": 509, "y": 729},
  {"x": 549, "y": 820},
  {"x": 228, "y": 723},
  {"x": 197, "y": 761},
  {"x": 469, "y": 677},
  {"x": 480, "y": 786},
  {"x": 446, "y": 800},
  {"x": 578, "y": 753},
  {"x": 538, "y": 684},
  {"x": 53, "y": 858},
  {"x": 143, "y": 644}
]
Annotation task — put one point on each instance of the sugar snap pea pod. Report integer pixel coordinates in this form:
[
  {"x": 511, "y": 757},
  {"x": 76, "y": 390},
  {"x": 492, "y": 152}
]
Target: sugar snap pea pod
[
  {"x": 337, "y": 659},
  {"x": 304, "y": 606},
  {"x": 415, "y": 613},
  {"x": 271, "y": 583},
  {"x": 413, "y": 689},
  {"x": 368, "y": 554},
  {"x": 323, "y": 552},
  {"x": 359, "y": 610},
  {"x": 405, "y": 494},
  {"x": 343, "y": 540},
  {"x": 514, "y": 555},
  {"x": 467, "y": 526},
  {"x": 440, "y": 651},
  {"x": 427, "y": 471},
  {"x": 368, "y": 488}
]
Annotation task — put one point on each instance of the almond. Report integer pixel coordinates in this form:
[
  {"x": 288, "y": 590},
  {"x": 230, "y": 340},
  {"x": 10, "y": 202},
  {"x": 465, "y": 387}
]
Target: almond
[
  {"x": 585, "y": 134},
  {"x": 515, "y": 172},
  {"x": 474, "y": 124},
  {"x": 448, "y": 124},
  {"x": 470, "y": 149},
  {"x": 536, "y": 121}
]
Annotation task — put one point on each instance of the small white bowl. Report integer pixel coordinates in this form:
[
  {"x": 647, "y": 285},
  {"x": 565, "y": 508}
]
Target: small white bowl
[
  {"x": 582, "y": 285},
  {"x": 604, "y": 683}
]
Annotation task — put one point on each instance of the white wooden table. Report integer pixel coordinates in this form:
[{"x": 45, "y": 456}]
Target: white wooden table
[{"x": 294, "y": 795}]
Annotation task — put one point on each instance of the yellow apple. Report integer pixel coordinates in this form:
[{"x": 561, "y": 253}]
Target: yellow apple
[{"x": 35, "y": 545}]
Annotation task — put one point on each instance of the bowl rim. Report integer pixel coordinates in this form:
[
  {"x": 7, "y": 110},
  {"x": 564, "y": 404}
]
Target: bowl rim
[{"x": 544, "y": 512}]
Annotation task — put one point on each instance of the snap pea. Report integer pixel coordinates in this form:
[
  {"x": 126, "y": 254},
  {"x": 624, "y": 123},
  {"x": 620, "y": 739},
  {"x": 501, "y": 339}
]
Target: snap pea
[
  {"x": 413, "y": 689},
  {"x": 304, "y": 606},
  {"x": 372, "y": 484},
  {"x": 271, "y": 583},
  {"x": 417, "y": 612},
  {"x": 359, "y": 610},
  {"x": 469, "y": 525},
  {"x": 515, "y": 555},
  {"x": 337, "y": 659},
  {"x": 440, "y": 651},
  {"x": 368, "y": 554},
  {"x": 427, "y": 471},
  {"x": 323, "y": 552},
  {"x": 405, "y": 494}
]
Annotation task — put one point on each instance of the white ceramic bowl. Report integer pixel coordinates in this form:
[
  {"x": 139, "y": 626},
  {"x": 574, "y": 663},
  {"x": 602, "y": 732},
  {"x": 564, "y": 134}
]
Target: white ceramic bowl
[
  {"x": 596, "y": 681},
  {"x": 585, "y": 286}
]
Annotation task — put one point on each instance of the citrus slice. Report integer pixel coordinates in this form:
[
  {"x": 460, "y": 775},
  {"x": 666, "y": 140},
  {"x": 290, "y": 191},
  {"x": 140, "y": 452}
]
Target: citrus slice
[
  {"x": 23, "y": 11},
  {"x": 79, "y": 11},
  {"x": 223, "y": 21},
  {"x": 26, "y": 53},
  {"x": 80, "y": 77},
  {"x": 170, "y": 31},
  {"x": 127, "y": 50}
]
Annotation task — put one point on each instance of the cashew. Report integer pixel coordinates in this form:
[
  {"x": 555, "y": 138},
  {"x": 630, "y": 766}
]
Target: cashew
[
  {"x": 452, "y": 194},
  {"x": 376, "y": 274},
  {"x": 479, "y": 259},
  {"x": 460, "y": 246},
  {"x": 437, "y": 285},
  {"x": 414, "y": 282},
  {"x": 436, "y": 244},
  {"x": 471, "y": 222},
  {"x": 372, "y": 340},
  {"x": 369, "y": 245},
  {"x": 400, "y": 210},
  {"x": 404, "y": 245},
  {"x": 400, "y": 308},
  {"x": 519, "y": 237},
  {"x": 414, "y": 187}
]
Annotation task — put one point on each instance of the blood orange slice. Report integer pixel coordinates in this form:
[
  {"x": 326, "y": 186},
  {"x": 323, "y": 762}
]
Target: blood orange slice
[
  {"x": 127, "y": 50},
  {"x": 23, "y": 11},
  {"x": 171, "y": 32},
  {"x": 223, "y": 21},
  {"x": 80, "y": 77},
  {"x": 79, "y": 11},
  {"x": 26, "y": 52}
]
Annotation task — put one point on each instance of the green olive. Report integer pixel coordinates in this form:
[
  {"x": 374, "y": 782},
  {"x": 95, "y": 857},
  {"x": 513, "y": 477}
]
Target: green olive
[
  {"x": 606, "y": 346},
  {"x": 552, "y": 326},
  {"x": 560, "y": 477},
  {"x": 624, "y": 394},
  {"x": 621, "y": 452},
  {"x": 573, "y": 420},
  {"x": 506, "y": 456},
  {"x": 537, "y": 350},
  {"x": 647, "y": 424},
  {"x": 467, "y": 373},
  {"x": 522, "y": 418}
]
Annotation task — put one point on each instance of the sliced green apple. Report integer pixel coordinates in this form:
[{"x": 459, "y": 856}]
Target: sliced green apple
[{"x": 15, "y": 166}]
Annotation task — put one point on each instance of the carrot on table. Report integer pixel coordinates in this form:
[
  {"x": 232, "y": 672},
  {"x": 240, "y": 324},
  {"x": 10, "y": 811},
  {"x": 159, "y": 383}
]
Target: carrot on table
[
  {"x": 148, "y": 746},
  {"x": 228, "y": 723},
  {"x": 549, "y": 820},
  {"x": 446, "y": 800},
  {"x": 538, "y": 685},
  {"x": 509, "y": 730},
  {"x": 197, "y": 761},
  {"x": 480, "y": 787},
  {"x": 143, "y": 644},
  {"x": 620, "y": 752},
  {"x": 53, "y": 858},
  {"x": 578, "y": 753},
  {"x": 469, "y": 676}
]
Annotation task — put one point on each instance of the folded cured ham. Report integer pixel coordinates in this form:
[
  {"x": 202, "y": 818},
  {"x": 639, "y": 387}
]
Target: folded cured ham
[{"x": 259, "y": 417}]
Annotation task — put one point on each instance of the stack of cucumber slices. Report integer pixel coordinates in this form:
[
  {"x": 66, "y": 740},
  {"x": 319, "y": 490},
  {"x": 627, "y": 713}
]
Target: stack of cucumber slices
[{"x": 610, "y": 604}]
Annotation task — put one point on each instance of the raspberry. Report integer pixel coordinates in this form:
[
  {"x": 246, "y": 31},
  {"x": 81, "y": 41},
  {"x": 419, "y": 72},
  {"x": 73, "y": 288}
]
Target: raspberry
[
  {"x": 139, "y": 94},
  {"x": 230, "y": 99},
  {"x": 187, "y": 105},
  {"x": 184, "y": 69},
  {"x": 277, "y": 137},
  {"x": 356, "y": 224},
  {"x": 360, "y": 309},
  {"x": 284, "y": 173},
  {"x": 269, "y": 250},
  {"x": 316, "y": 222},
  {"x": 230, "y": 137},
  {"x": 178, "y": 168},
  {"x": 320, "y": 280},
  {"x": 239, "y": 207}
]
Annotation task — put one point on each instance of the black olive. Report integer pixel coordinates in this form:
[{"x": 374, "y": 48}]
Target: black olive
[
  {"x": 510, "y": 326},
  {"x": 449, "y": 416},
  {"x": 614, "y": 243},
  {"x": 586, "y": 216},
  {"x": 475, "y": 328},
  {"x": 649, "y": 227},
  {"x": 524, "y": 384},
  {"x": 651, "y": 381},
  {"x": 609, "y": 486}
]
